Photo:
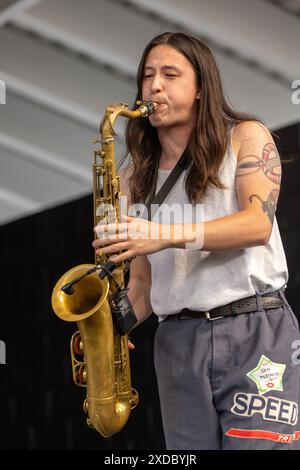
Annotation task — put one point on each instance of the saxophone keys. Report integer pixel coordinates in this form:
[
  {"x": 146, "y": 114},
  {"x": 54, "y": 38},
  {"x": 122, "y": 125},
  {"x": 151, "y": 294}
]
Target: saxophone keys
[
  {"x": 77, "y": 344},
  {"x": 80, "y": 375}
]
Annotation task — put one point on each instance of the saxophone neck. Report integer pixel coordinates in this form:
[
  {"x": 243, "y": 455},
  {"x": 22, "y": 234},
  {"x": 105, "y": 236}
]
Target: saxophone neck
[{"x": 112, "y": 112}]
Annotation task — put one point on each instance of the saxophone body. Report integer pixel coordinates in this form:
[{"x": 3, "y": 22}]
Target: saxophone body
[{"x": 99, "y": 353}]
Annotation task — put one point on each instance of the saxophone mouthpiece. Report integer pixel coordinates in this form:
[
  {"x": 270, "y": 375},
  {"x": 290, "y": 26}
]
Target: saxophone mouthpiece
[
  {"x": 150, "y": 107},
  {"x": 146, "y": 107}
]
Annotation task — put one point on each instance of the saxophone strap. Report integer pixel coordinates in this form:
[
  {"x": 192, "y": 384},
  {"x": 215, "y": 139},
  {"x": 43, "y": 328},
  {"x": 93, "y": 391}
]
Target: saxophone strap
[{"x": 181, "y": 165}]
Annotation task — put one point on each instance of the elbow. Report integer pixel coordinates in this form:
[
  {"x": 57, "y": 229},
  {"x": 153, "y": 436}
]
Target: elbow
[
  {"x": 265, "y": 236},
  {"x": 262, "y": 227}
]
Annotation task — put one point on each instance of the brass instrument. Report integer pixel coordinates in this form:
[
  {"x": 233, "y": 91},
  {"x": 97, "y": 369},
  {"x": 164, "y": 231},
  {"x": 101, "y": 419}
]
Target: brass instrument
[{"x": 100, "y": 356}]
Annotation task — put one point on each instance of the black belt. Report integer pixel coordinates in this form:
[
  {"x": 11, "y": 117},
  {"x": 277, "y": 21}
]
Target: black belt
[{"x": 248, "y": 305}]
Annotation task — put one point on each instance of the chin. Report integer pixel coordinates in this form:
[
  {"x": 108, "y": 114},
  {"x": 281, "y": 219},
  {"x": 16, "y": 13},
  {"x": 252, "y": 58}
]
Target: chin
[
  {"x": 160, "y": 122},
  {"x": 161, "y": 125}
]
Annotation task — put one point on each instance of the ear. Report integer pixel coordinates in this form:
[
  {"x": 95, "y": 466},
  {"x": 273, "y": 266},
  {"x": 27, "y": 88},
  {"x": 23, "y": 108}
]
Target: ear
[{"x": 198, "y": 96}]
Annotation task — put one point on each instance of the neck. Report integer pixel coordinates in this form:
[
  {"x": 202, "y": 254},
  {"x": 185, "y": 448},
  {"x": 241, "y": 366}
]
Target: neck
[{"x": 173, "y": 143}]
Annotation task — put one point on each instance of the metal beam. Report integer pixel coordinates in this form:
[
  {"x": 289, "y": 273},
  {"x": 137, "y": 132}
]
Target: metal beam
[
  {"x": 53, "y": 22},
  {"x": 13, "y": 8},
  {"x": 28, "y": 185},
  {"x": 45, "y": 159},
  {"x": 18, "y": 200},
  {"x": 98, "y": 29},
  {"x": 256, "y": 30},
  {"x": 57, "y": 79}
]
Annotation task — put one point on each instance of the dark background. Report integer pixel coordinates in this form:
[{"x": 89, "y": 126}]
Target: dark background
[{"x": 40, "y": 407}]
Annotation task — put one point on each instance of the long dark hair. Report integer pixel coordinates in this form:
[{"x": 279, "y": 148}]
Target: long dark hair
[{"x": 208, "y": 140}]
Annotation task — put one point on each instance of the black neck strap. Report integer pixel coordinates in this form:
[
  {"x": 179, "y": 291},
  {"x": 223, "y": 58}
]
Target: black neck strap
[{"x": 181, "y": 165}]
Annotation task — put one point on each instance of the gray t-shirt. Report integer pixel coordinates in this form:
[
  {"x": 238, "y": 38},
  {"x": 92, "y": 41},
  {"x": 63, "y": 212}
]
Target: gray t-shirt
[{"x": 203, "y": 280}]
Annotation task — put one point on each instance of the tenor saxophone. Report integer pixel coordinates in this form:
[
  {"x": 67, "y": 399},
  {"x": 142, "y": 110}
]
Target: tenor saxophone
[{"x": 87, "y": 294}]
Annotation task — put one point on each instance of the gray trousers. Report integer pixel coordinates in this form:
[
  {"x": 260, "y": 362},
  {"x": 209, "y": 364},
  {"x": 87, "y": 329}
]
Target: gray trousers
[{"x": 232, "y": 383}]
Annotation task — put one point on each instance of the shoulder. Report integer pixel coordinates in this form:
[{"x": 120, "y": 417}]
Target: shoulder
[
  {"x": 249, "y": 133},
  {"x": 250, "y": 129}
]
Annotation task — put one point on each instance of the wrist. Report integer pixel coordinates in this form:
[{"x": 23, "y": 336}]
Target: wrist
[
  {"x": 165, "y": 235},
  {"x": 185, "y": 236}
]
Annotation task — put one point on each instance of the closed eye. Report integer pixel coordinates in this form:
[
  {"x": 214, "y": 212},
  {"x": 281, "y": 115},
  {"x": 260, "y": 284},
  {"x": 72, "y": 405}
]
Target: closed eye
[{"x": 170, "y": 75}]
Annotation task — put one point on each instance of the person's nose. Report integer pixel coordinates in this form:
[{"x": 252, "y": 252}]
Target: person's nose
[{"x": 156, "y": 84}]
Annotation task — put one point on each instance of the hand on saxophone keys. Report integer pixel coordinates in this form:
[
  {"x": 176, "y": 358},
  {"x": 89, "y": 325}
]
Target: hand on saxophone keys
[{"x": 131, "y": 238}]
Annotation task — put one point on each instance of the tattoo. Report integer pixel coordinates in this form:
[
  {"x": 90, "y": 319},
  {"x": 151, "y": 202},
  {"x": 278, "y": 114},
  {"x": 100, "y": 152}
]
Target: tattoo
[
  {"x": 268, "y": 206},
  {"x": 269, "y": 163}
]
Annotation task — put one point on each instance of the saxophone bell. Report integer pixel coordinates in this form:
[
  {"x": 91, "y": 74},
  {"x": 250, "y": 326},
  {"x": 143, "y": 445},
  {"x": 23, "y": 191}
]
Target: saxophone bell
[{"x": 68, "y": 288}]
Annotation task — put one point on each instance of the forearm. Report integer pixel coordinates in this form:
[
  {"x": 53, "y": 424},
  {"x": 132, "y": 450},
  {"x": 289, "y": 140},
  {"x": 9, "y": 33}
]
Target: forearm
[
  {"x": 240, "y": 230},
  {"x": 139, "y": 297}
]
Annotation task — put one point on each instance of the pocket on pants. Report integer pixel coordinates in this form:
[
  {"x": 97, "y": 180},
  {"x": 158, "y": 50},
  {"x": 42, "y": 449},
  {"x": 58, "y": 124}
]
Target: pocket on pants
[{"x": 292, "y": 317}]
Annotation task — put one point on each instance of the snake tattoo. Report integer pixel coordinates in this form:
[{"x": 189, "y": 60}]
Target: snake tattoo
[{"x": 269, "y": 162}]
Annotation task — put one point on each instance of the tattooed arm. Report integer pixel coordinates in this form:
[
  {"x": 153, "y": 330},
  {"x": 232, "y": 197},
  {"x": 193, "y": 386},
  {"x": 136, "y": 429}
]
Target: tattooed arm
[
  {"x": 258, "y": 173},
  {"x": 257, "y": 186},
  {"x": 257, "y": 189}
]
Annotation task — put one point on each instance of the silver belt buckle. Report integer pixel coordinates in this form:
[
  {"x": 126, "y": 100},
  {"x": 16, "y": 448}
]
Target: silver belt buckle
[{"x": 208, "y": 317}]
